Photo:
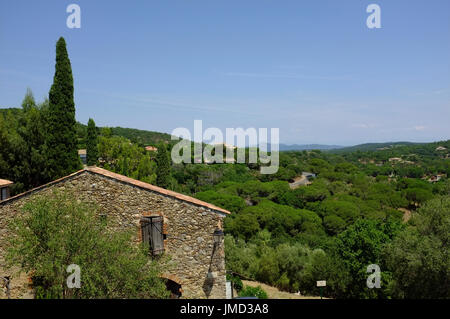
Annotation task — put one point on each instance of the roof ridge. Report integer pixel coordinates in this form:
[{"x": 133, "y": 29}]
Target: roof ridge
[
  {"x": 33, "y": 190},
  {"x": 5, "y": 182},
  {"x": 124, "y": 179}
]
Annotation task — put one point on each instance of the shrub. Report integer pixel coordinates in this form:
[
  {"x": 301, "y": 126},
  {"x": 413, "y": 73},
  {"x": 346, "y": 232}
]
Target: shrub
[
  {"x": 253, "y": 292},
  {"x": 236, "y": 282},
  {"x": 56, "y": 231}
]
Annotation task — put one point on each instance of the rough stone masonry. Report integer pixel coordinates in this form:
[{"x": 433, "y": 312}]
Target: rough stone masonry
[{"x": 189, "y": 225}]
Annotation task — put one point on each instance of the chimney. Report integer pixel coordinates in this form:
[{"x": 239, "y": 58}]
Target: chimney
[{"x": 4, "y": 189}]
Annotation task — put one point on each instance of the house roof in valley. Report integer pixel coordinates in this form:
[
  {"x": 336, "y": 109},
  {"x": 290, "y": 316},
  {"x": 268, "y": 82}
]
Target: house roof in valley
[
  {"x": 5, "y": 182},
  {"x": 125, "y": 180},
  {"x": 151, "y": 148}
]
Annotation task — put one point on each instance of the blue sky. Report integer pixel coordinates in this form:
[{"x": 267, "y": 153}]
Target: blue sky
[{"x": 311, "y": 68}]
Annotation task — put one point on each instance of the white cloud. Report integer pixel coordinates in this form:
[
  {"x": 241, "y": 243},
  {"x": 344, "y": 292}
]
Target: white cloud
[{"x": 419, "y": 127}]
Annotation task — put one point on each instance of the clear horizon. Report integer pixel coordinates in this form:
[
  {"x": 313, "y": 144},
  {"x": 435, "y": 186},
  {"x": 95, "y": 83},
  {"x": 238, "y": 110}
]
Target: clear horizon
[{"x": 312, "y": 69}]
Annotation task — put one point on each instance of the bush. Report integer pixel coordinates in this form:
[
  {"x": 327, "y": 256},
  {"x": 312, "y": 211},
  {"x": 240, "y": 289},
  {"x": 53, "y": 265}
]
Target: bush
[
  {"x": 419, "y": 257},
  {"x": 56, "y": 231},
  {"x": 253, "y": 292},
  {"x": 236, "y": 282}
]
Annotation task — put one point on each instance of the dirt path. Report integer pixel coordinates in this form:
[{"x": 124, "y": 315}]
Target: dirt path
[
  {"x": 274, "y": 293},
  {"x": 406, "y": 214}
]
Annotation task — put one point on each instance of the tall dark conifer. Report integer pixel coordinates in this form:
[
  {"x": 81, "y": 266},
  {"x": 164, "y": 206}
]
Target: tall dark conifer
[
  {"x": 91, "y": 144},
  {"x": 61, "y": 140},
  {"x": 163, "y": 168}
]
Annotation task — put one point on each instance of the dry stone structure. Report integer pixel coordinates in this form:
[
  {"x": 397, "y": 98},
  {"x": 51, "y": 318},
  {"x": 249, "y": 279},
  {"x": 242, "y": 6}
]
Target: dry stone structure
[{"x": 197, "y": 264}]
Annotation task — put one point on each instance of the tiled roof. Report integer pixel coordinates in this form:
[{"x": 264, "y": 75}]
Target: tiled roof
[
  {"x": 154, "y": 188},
  {"x": 130, "y": 181},
  {"x": 5, "y": 182}
]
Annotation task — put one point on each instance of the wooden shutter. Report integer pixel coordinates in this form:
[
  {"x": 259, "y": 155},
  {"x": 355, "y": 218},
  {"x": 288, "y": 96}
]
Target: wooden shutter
[
  {"x": 156, "y": 233},
  {"x": 145, "y": 228},
  {"x": 152, "y": 233}
]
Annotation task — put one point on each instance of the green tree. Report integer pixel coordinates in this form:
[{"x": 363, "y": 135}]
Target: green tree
[
  {"x": 61, "y": 138},
  {"x": 22, "y": 152},
  {"x": 55, "y": 231},
  {"x": 418, "y": 195},
  {"x": 163, "y": 168},
  {"x": 334, "y": 224},
  {"x": 146, "y": 170},
  {"x": 28, "y": 101},
  {"x": 243, "y": 225},
  {"x": 419, "y": 257},
  {"x": 124, "y": 166},
  {"x": 92, "y": 143},
  {"x": 359, "y": 246},
  {"x": 230, "y": 202},
  {"x": 268, "y": 270},
  {"x": 325, "y": 267},
  {"x": 33, "y": 133}
]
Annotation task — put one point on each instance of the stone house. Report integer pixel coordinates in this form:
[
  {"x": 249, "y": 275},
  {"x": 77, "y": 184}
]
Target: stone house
[{"x": 185, "y": 228}]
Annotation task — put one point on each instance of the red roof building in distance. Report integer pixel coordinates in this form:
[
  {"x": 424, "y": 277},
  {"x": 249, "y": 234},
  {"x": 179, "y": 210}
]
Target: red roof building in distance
[
  {"x": 5, "y": 182},
  {"x": 151, "y": 149},
  {"x": 4, "y": 189}
]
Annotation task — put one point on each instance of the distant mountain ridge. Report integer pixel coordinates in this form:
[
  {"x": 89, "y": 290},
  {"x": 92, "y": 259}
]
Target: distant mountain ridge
[{"x": 375, "y": 146}]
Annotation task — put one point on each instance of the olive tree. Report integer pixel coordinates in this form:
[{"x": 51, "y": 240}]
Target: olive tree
[{"x": 56, "y": 231}]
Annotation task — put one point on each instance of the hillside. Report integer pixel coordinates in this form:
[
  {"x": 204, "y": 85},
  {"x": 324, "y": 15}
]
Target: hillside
[
  {"x": 308, "y": 147},
  {"x": 140, "y": 137},
  {"x": 367, "y": 147}
]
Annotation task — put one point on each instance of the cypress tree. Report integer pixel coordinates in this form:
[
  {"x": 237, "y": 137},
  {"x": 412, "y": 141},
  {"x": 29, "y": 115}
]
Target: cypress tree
[
  {"x": 125, "y": 166},
  {"x": 91, "y": 143},
  {"x": 61, "y": 139},
  {"x": 163, "y": 168}
]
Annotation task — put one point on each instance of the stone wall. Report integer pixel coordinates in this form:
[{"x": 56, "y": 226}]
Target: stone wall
[{"x": 189, "y": 230}]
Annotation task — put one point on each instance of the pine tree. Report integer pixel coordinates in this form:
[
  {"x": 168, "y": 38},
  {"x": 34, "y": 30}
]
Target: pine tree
[
  {"x": 163, "y": 168},
  {"x": 91, "y": 144},
  {"x": 61, "y": 139},
  {"x": 28, "y": 101}
]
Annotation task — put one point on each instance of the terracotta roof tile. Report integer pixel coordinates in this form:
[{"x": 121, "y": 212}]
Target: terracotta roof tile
[
  {"x": 5, "y": 182},
  {"x": 154, "y": 188}
]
